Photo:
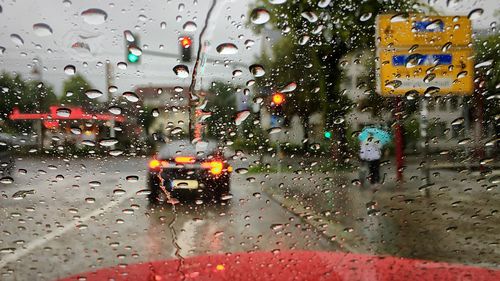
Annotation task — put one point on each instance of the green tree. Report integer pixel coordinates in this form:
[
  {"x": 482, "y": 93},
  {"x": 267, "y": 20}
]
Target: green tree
[
  {"x": 74, "y": 90},
  {"x": 222, "y": 105},
  {"x": 311, "y": 47},
  {"x": 27, "y": 96}
]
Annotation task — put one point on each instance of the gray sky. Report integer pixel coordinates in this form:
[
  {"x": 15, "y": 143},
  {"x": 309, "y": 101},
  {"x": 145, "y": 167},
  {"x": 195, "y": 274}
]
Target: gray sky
[
  {"x": 106, "y": 40},
  {"x": 144, "y": 18}
]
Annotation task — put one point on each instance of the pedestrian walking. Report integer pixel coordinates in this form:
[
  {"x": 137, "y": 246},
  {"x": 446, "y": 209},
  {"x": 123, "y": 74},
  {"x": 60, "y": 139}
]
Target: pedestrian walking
[{"x": 370, "y": 152}]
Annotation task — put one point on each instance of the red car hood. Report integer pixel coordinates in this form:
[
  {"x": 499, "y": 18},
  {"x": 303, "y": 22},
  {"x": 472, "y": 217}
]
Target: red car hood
[{"x": 292, "y": 265}]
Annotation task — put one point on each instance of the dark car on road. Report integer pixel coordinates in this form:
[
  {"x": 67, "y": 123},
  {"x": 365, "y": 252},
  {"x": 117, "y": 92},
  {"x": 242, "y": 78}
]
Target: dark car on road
[{"x": 181, "y": 169}]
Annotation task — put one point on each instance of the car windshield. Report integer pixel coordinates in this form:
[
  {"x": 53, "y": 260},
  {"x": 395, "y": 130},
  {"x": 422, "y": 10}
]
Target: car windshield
[{"x": 278, "y": 139}]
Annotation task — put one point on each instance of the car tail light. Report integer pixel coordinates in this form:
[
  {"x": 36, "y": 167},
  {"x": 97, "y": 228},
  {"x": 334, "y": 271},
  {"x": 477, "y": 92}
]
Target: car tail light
[
  {"x": 184, "y": 160},
  {"x": 214, "y": 166},
  {"x": 154, "y": 164}
]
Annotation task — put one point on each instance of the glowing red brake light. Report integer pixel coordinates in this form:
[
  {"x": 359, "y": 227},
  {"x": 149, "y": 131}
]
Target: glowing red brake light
[
  {"x": 154, "y": 164},
  {"x": 214, "y": 166},
  {"x": 184, "y": 160}
]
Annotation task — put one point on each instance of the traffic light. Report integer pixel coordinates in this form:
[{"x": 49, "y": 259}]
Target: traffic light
[
  {"x": 278, "y": 99},
  {"x": 185, "y": 43},
  {"x": 132, "y": 50},
  {"x": 328, "y": 135}
]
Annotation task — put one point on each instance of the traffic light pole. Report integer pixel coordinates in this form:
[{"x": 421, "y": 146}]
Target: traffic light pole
[{"x": 424, "y": 116}]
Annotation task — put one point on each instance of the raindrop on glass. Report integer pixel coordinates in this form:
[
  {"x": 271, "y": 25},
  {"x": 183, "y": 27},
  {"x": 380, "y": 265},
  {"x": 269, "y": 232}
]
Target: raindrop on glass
[
  {"x": 181, "y": 71},
  {"x": 259, "y": 16},
  {"x": 93, "y": 93},
  {"x": 94, "y": 16},
  {"x": 227, "y": 49},
  {"x": 42, "y": 29}
]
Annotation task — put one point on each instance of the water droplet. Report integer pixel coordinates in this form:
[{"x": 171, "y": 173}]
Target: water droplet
[
  {"x": 393, "y": 84},
  {"x": 277, "y": 2},
  {"x": 277, "y": 226},
  {"x": 189, "y": 26},
  {"x": 135, "y": 50},
  {"x": 475, "y": 14},
  {"x": 163, "y": 25},
  {"x": 323, "y": 3},
  {"x": 237, "y": 73},
  {"x": 399, "y": 17},
  {"x": 63, "y": 112},
  {"x": 413, "y": 60},
  {"x": 82, "y": 226},
  {"x": 303, "y": 40},
  {"x": 129, "y": 36},
  {"x": 132, "y": 178},
  {"x": 93, "y": 93},
  {"x": 241, "y": 171},
  {"x": 365, "y": 17},
  {"x": 226, "y": 197},
  {"x": 130, "y": 96},
  {"x": 118, "y": 192},
  {"x": 310, "y": 16},
  {"x": 76, "y": 131},
  {"x": 108, "y": 142},
  {"x": 116, "y": 152},
  {"x": 128, "y": 211},
  {"x": 122, "y": 65},
  {"x": 241, "y": 116},
  {"x": 483, "y": 64},
  {"x": 249, "y": 43},
  {"x": 429, "y": 77},
  {"x": 446, "y": 47},
  {"x": 434, "y": 25},
  {"x": 143, "y": 192},
  {"x": 257, "y": 70},
  {"x": 259, "y": 16},
  {"x": 7, "y": 250},
  {"x": 176, "y": 130},
  {"x": 289, "y": 87},
  {"x": 155, "y": 112},
  {"x": 462, "y": 74},
  {"x": 181, "y": 71},
  {"x": 227, "y": 49},
  {"x": 116, "y": 110},
  {"x": 458, "y": 121},
  {"x": 112, "y": 89},
  {"x": 94, "y": 16},
  {"x": 88, "y": 143},
  {"x": 90, "y": 200},
  {"x": 42, "y": 29},
  {"x": 70, "y": 69},
  {"x": 274, "y": 130},
  {"x": 16, "y": 39},
  {"x": 6, "y": 180},
  {"x": 95, "y": 183}
]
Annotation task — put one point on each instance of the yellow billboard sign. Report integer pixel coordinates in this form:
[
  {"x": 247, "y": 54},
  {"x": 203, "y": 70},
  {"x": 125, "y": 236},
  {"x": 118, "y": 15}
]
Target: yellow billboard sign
[
  {"x": 424, "y": 54},
  {"x": 398, "y": 30},
  {"x": 425, "y": 71}
]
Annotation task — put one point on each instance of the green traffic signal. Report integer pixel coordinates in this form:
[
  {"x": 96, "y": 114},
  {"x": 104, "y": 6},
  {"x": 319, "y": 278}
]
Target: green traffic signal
[
  {"x": 328, "y": 135},
  {"x": 132, "y": 58}
]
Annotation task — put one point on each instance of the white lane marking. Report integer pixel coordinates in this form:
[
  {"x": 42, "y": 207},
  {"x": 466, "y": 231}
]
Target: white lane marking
[
  {"x": 19, "y": 253},
  {"x": 186, "y": 237}
]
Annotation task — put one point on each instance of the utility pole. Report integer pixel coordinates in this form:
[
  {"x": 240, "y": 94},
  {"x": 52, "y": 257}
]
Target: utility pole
[
  {"x": 37, "y": 72},
  {"x": 398, "y": 138},
  {"x": 424, "y": 116},
  {"x": 109, "y": 82}
]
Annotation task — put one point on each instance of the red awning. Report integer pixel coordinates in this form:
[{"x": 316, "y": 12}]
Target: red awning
[{"x": 75, "y": 113}]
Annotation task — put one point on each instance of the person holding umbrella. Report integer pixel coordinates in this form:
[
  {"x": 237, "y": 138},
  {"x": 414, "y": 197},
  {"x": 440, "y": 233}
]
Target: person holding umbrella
[{"x": 372, "y": 141}]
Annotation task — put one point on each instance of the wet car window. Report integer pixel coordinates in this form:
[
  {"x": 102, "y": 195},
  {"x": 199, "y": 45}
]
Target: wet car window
[{"x": 236, "y": 140}]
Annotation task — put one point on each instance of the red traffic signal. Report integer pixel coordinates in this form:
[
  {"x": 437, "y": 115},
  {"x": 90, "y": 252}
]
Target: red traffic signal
[
  {"x": 185, "y": 42},
  {"x": 278, "y": 99}
]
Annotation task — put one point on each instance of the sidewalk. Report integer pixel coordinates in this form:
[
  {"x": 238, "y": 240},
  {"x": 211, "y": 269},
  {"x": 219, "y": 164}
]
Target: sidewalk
[{"x": 459, "y": 222}]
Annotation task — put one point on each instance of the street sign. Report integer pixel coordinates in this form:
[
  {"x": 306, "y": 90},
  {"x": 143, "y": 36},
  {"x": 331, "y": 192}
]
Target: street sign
[
  {"x": 424, "y": 55},
  {"x": 425, "y": 70},
  {"x": 416, "y": 29}
]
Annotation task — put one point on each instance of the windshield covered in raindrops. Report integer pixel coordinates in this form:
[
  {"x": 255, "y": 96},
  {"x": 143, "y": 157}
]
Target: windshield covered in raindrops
[{"x": 139, "y": 131}]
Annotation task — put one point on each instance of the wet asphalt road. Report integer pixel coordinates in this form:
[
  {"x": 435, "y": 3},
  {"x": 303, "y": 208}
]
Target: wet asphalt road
[{"x": 62, "y": 217}]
